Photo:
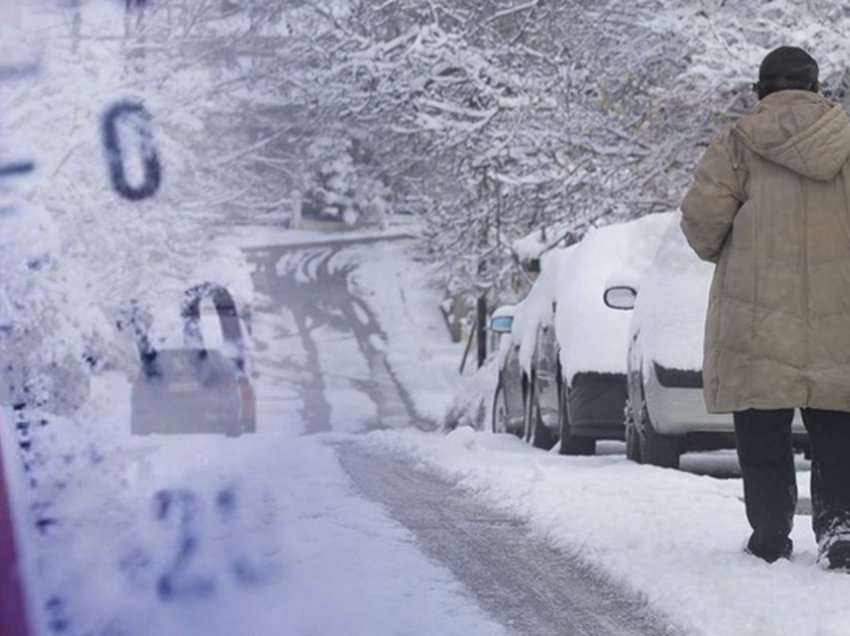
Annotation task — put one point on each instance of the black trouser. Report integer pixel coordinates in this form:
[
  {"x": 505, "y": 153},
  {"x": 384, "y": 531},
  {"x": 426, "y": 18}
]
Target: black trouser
[{"x": 770, "y": 485}]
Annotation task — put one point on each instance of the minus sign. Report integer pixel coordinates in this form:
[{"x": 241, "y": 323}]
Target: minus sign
[
  {"x": 19, "y": 72},
  {"x": 16, "y": 169}
]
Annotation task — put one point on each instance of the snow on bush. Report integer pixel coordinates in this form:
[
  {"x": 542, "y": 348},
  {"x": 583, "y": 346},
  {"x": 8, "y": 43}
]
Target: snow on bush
[
  {"x": 48, "y": 328},
  {"x": 78, "y": 259}
]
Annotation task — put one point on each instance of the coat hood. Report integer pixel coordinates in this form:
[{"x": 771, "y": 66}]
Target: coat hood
[{"x": 799, "y": 130}]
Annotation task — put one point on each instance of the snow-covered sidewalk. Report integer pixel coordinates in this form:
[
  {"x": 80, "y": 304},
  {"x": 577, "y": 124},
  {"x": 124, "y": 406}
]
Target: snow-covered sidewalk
[{"x": 672, "y": 536}]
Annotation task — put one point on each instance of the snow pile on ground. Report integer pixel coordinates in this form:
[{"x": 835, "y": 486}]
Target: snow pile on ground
[
  {"x": 674, "y": 537},
  {"x": 593, "y": 336},
  {"x": 472, "y": 403},
  {"x": 672, "y": 303},
  {"x": 263, "y": 535}
]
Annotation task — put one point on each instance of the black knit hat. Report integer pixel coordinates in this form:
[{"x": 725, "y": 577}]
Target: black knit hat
[{"x": 787, "y": 67}]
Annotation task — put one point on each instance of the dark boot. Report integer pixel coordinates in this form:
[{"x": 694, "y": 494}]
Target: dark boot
[
  {"x": 829, "y": 436},
  {"x": 769, "y": 556},
  {"x": 770, "y": 486},
  {"x": 834, "y": 553}
]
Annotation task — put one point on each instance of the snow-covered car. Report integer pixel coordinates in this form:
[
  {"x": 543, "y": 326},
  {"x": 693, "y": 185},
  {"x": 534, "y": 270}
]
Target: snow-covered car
[
  {"x": 531, "y": 320},
  {"x": 507, "y": 412},
  {"x": 576, "y": 367},
  {"x": 200, "y": 387},
  {"x": 666, "y": 413},
  {"x": 180, "y": 391}
]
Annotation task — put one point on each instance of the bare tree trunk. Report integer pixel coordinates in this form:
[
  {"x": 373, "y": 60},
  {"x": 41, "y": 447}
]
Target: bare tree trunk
[{"x": 481, "y": 326}]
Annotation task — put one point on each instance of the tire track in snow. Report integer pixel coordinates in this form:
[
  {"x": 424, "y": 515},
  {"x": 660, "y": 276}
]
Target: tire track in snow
[{"x": 315, "y": 285}]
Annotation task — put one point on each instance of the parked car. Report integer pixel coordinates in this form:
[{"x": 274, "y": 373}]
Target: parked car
[
  {"x": 538, "y": 353},
  {"x": 508, "y": 396},
  {"x": 666, "y": 414},
  {"x": 181, "y": 391},
  {"x": 522, "y": 325},
  {"x": 577, "y": 374},
  {"x": 193, "y": 388}
]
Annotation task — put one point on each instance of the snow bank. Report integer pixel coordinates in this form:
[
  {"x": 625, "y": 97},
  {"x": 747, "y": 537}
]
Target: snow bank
[
  {"x": 672, "y": 304},
  {"x": 472, "y": 405},
  {"x": 592, "y": 336},
  {"x": 263, "y": 535},
  {"x": 673, "y": 537}
]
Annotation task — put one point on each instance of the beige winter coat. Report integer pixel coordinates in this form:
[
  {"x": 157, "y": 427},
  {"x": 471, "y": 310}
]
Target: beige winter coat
[{"x": 771, "y": 206}]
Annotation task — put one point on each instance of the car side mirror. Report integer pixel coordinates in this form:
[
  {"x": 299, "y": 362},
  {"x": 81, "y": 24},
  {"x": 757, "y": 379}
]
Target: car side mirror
[
  {"x": 501, "y": 324},
  {"x": 620, "y": 297}
]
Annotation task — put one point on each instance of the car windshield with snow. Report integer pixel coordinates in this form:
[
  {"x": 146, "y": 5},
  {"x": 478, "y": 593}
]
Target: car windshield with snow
[{"x": 358, "y": 318}]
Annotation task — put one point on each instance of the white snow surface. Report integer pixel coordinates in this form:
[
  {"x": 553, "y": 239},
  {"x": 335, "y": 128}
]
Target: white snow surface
[
  {"x": 672, "y": 303},
  {"x": 674, "y": 537},
  {"x": 418, "y": 347},
  {"x": 281, "y": 538},
  {"x": 472, "y": 404},
  {"x": 282, "y": 542},
  {"x": 591, "y": 335}
]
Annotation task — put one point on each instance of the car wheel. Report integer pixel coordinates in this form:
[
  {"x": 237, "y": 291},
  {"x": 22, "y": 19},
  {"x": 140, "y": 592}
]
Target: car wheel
[
  {"x": 499, "y": 421},
  {"x": 570, "y": 444},
  {"x": 632, "y": 436},
  {"x": 535, "y": 432},
  {"x": 657, "y": 449}
]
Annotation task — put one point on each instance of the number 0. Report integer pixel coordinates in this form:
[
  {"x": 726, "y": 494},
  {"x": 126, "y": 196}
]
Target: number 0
[{"x": 136, "y": 112}]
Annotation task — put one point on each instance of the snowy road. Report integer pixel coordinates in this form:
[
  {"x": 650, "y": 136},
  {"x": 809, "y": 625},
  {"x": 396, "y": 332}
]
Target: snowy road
[
  {"x": 332, "y": 349},
  {"x": 520, "y": 582}
]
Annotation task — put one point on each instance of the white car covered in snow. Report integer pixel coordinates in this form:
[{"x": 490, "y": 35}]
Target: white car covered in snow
[
  {"x": 666, "y": 413},
  {"x": 567, "y": 366}
]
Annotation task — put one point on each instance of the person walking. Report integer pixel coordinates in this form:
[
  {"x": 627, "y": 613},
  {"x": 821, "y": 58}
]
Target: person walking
[{"x": 770, "y": 206}]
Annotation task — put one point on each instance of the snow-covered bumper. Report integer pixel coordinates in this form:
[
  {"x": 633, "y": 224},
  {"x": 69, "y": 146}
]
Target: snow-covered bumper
[
  {"x": 596, "y": 405},
  {"x": 676, "y": 405}
]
